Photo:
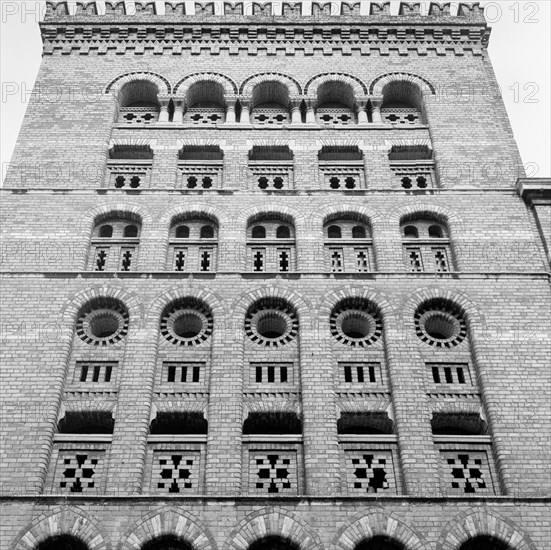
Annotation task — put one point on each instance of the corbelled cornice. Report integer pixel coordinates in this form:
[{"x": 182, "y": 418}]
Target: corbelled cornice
[{"x": 86, "y": 31}]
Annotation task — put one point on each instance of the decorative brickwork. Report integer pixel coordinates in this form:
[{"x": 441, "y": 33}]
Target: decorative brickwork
[
  {"x": 175, "y": 472},
  {"x": 370, "y": 472},
  {"x": 288, "y": 264},
  {"x": 78, "y": 472}
]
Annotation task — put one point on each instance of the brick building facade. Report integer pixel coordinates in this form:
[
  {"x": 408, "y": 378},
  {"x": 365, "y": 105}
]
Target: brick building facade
[{"x": 272, "y": 281}]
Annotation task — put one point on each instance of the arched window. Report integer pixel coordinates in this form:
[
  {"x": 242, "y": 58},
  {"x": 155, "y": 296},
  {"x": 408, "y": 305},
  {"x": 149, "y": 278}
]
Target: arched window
[
  {"x": 167, "y": 542},
  {"x": 380, "y": 542},
  {"x": 402, "y": 103},
  {"x": 129, "y": 166},
  {"x": 258, "y": 232},
  {"x": 283, "y": 232},
  {"x": 199, "y": 251},
  {"x": 413, "y": 166},
  {"x": 426, "y": 245},
  {"x": 335, "y": 104},
  {"x": 114, "y": 245},
  {"x": 270, "y": 104},
  {"x": 105, "y": 231},
  {"x": 341, "y": 167},
  {"x": 201, "y": 166},
  {"x": 359, "y": 232},
  {"x": 130, "y": 231},
  {"x": 411, "y": 232},
  {"x": 273, "y": 543},
  {"x": 182, "y": 232},
  {"x": 207, "y": 232},
  {"x": 62, "y": 542},
  {"x": 485, "y": 542},
  {"x": 271, "y": 167},
  {"x": 436, "y": 231},
  {"x": 138, "y": 103},
  {"x": 271, "y": 244},
  {"x": 334, "y": 232},
  {"x": 348, "y": 246},
  {"x": 206, "y": 105}
]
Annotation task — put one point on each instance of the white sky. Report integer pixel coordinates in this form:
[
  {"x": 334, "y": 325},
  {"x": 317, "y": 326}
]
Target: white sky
[{"x": 519, "y": 49}]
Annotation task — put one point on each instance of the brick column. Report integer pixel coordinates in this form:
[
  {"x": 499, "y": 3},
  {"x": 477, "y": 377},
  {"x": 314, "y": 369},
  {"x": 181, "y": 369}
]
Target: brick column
[
  {"x": 319, "y": 414},
  {"x": 225, "y": 417},
  {"x": 129, "y": 446},
  {"x": 418, "y": 457}
]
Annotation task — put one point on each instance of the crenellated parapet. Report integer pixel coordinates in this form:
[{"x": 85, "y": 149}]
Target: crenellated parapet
[
  {"x": 357, "y": 29},
  {"x": 318, "y": 10}
]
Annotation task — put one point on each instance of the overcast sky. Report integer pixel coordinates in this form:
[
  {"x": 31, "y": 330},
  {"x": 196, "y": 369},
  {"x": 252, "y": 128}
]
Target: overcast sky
[{"x": 519, "y": 49}]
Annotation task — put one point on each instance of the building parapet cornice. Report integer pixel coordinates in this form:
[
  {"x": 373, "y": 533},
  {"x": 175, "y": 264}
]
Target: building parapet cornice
[
  {"x": 535, "y": 190},
  {"x": 87, "y": 31},
  {"x": 254, "y": 11}
]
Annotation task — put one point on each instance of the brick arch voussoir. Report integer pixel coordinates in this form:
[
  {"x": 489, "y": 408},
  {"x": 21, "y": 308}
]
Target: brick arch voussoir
[
  {"x": 296, "y": 299},
  {"x": 186, "y": 289},
  {"x": 277, "y": 406},
  {"x": 168, "y": 521},
  {"x": 442, "y": 213},
  {"x": 380, "y": 300},
  {"x": 132, "y": 141},
  {"x": 193, "y": 209},
  {"x": 60, "y": 521},
  {"x": 459, "y": 297},
  {"x": 90, "y": 217},
  {"x": 378, "y": 84},
  {"x": 363, "y": 526},
  {"x": 162, "y": 84},
  {"x": 478, "y": 522},
  {"x": 272, "y": 521},
  {"x": 108, "y": 289},
  {"x": 245, "y": 217},
  {"x": 321, "y": 215},
  {"x": 248, "y": 85},
  {"x": 182, "y": 87},
  {"x": 312, "y": 86}
]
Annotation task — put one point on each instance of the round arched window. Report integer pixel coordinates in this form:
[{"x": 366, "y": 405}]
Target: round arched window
[
  {"x": 186, "y": 322},
  {"x": 102, "y": 321},
  {"x": 271, "y": 323},
  {"x": 440, "y": 324},
  {"x": 356, "y": 323}
]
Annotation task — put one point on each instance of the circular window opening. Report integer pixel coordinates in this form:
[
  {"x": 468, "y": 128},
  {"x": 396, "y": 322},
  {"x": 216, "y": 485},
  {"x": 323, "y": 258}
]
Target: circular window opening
[
  {"x": 271, "y": 323},
  {"x": 440, "y": 324},
  {"x": 440, "y": 327},
  {"x": 188, "y": 325},
  {"x": 355, "y": 323},
  {"x": 104, "y": 325},
  {"x": 271, "y": 326},
  {"x": 355, "y": 326},
  {"x": 102, "y": 322}
]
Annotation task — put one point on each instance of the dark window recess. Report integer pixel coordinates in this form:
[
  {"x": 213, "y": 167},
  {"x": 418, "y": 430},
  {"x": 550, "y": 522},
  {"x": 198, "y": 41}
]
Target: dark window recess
[
  {"x": 95, "y": 372},
  {"x": 272, "y": 423},
  {"x": 450, "y": 373},
  {"x": 271, "y": 374},
  {"x": 179, "y": 423},
  {"x": 183, "y": 373},
  {"x": 206, "y": 260},
  {"x": 355, "y": 373},
  {"x": 86, "y": 422}
]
